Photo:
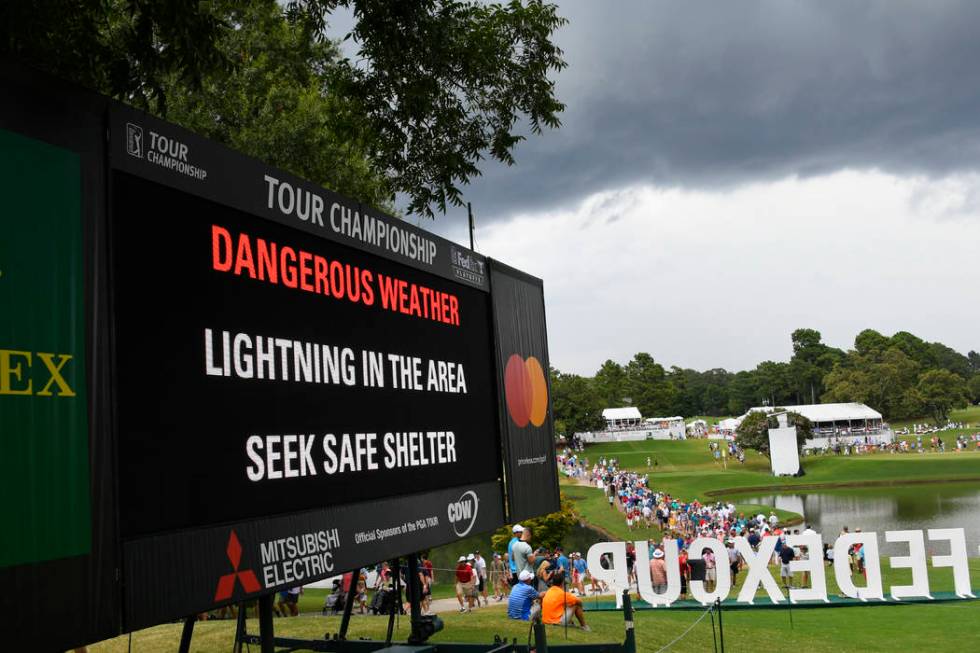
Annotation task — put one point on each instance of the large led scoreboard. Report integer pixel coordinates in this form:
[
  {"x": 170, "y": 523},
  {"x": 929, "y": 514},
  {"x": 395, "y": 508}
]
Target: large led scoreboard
[{"x": 218, "y": 380}]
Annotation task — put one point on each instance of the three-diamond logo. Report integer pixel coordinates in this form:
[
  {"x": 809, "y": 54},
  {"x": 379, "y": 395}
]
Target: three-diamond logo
[
  {"x": 226, "y": 584},
  {"x": 134, "y": 140}
]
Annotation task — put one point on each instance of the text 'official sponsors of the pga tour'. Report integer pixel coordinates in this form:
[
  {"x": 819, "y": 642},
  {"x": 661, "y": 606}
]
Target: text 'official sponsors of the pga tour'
[
  {"x": 607, "y": 562},
  {"x": 462, "y": 513},
  {"x": 164, "y": 151}
]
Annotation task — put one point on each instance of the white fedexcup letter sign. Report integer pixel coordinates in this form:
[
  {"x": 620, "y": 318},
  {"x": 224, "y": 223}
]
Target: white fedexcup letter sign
[
  {"x": 758, "y": 569},
  {"x": 723, "y": 579},
  {"x": 813, "y": 563},
  {"x": 872, "y": 566},
  {"x": 643, "y": 576},
  {"x": 915, "y": 560},
  {"x": 616, "y": 577},
  {"x": 956, "y": 558}
]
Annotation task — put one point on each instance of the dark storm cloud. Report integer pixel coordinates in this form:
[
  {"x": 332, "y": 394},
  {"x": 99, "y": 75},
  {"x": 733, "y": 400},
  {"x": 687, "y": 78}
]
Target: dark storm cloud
[{"x": 710, "y": 94}]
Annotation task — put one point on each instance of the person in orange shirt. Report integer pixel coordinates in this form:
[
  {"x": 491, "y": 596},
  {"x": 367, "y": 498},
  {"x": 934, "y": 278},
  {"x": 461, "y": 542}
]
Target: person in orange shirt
[{"x": 558, "y": 607}]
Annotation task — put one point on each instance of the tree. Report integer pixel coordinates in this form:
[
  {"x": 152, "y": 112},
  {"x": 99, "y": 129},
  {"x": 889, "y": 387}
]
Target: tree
[
  {"x": 610, "y": 384},
  {"x": 575, "y": 404},
  {"x": 742, "y": 392},
  {"x": 273, "y": 104},
  {"x": 973, "y": 388},
  {"x": 438, "y": 86},
  {"x": 773, "y": 383},
  {"x": 444, "y": 82},
  {"x": 882, "y": 379},
  {"x": 870, "y": 341},
  {"x": 753, "y": 432},
  {"x": 549, "y": 531},
  {"x": 974, "y": 359},
  {"x": 123, "y": 48},
  {"x": 940, "y": 391},
  {"x": 811, "y": 361},
  {"x": 648, "y": 386}
]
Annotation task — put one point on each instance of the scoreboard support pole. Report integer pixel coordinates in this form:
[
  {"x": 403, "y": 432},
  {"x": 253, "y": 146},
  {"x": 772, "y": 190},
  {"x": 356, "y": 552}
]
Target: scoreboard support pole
[
  {"x": 266, "y": 628},
  {"x": 349, "y": 603},
  {"x": 186, "y": 634}
]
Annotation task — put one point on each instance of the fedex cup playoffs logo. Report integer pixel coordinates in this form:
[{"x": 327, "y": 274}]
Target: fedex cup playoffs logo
[
  {"x": 226, "y": 584},
  {"x": 526, "y": 391}
]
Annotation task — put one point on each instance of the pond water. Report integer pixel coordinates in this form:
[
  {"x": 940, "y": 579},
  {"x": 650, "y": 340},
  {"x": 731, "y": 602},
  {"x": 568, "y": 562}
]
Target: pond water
[{"x": 918, "y": 507}]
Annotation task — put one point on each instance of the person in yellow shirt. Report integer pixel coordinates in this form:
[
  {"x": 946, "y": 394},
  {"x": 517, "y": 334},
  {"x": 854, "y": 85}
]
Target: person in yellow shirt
[{"x": 558, "y": 607}]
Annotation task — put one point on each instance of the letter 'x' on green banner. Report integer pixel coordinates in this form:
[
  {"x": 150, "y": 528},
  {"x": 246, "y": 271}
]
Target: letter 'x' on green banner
[{"x": 45, "y": 509}]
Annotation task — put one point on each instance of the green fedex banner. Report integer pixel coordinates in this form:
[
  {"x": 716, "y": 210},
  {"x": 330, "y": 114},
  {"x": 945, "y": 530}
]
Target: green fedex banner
[{"x": 44, "y": 467}]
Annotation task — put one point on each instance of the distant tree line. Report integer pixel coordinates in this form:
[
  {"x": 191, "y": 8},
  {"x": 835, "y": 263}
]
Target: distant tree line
[{"x": 901, "y": 376}]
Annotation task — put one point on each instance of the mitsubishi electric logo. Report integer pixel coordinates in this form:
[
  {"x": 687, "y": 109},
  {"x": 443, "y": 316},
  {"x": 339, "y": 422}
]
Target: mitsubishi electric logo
[
  {"x": 462, "y": 513},
  {"x": 134, "y": 140},
  {"x": 226, "y": 584}
]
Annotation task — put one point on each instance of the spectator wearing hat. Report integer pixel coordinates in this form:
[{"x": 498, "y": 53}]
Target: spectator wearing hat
[
  {"x": 522, "y": 556},
  {"x": 465, "y": 585},
  {"x": 517, "y": 532},
  {"x": 658, "y": 571},
  {"x": 559, "y": 607},
  {"x": 579, "y": 571},
  {"x": 499, "y": 576},
  {"x": 523, "y": 597}
]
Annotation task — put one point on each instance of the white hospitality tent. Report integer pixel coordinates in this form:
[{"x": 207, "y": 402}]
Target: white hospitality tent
[
  {"x": 846, "y": 423},
  {"x": 618, "y": 418}
]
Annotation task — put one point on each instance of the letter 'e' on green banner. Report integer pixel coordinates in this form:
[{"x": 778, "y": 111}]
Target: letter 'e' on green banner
[{"x": 44, "y": 464}]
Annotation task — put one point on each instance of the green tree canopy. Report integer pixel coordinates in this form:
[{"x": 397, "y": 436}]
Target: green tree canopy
[
  {"x": 548, "y": 531},
  {"x": 610, "y": 384},
  {"x": 940, "y": 391},
  {"x": 273, "y": 102},
  {"x": 646, "y": 384},
  {"x": 574, "y": 404},
  {"x": 753, "y": 432},
  {"x": 438, "y": 85}
]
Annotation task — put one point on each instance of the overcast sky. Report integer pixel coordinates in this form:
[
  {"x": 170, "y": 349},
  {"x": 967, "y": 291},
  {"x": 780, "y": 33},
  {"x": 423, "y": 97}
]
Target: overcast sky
[{"x": 730, "y": 171}]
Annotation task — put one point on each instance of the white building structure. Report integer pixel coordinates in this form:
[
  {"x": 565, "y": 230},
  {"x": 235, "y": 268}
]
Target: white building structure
[
  {"x": 622, "y": 418},
  {"x": 627, "y": 425},
  {"x": 666, "y": 428},
  {"x": 846, "y": 423}
]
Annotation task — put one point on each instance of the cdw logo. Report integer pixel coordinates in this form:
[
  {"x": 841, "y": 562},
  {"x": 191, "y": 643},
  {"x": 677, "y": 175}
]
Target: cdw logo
[
  {"x": 19, "y": 372},
  {"x": 226, "y": 584}
]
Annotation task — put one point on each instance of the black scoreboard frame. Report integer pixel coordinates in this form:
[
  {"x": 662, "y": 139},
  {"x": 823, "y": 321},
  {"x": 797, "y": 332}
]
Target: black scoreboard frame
[{"x": 158, "y": 565}]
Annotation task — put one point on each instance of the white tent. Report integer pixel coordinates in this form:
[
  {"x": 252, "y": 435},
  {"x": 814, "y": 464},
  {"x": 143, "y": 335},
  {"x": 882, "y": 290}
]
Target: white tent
[
  {"x": 842, "y": 423},
  {"x": 629, "y": 412}
]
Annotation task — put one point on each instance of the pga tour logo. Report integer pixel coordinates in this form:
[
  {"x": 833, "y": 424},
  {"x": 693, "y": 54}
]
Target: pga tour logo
[
  {"x": 462, "y": 513},
  {"x": 134, "y": 140}
]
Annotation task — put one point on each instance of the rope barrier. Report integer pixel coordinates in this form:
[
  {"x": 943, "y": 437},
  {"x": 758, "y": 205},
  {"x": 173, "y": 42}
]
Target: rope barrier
[{"x": 689, "y": 628}]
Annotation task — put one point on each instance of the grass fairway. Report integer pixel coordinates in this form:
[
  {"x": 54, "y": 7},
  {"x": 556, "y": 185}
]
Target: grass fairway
[
  {"x": 687, "y": 470},
  {"x": 940, "y": 627}
]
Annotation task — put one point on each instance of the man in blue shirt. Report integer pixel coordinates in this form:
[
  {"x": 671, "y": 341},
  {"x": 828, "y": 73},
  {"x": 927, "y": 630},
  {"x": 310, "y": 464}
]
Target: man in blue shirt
[
  {"x": 563, "y": 562},
  {"x": 522, "y": 596},
  {"x": 517, "y": 530}
]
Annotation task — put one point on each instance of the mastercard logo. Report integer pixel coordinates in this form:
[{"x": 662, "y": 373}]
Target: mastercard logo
[{"x": 526, "y": 391}]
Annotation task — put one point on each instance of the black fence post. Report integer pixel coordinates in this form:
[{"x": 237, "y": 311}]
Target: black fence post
[
  {"x": 721, "y": 628},
  {"x": 629, "y": 645},
  {"x": 540, "y": 637}
]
